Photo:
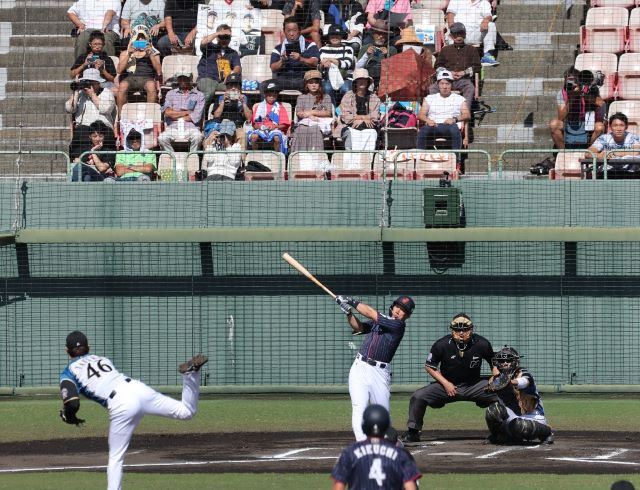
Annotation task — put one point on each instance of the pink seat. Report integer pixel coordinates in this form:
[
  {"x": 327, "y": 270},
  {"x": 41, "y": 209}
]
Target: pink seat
[
  {"x": 395, "y": 164},
  {"x": 607, "y": 63},
  {"x": 568, "y": 165},
  {"x": 271, "y": 160},
  {"x": 613, "y": 3},
  {"x": 431, "y": 165},
  {"x": 351, "y": 166},
  {"x": 631, "y": 109},
  {"x": 633, "y": 43},
  {"x": 308, "y": 166},
  {"x": 605, "y": 30},
  {"x": 628, "y": 86}
]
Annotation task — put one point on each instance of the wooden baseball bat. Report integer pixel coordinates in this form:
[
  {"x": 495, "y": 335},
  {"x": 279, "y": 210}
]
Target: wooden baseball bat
[{"x": 300, "y": 268}]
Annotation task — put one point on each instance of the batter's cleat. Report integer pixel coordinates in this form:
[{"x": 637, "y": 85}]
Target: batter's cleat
[
  {"x": 547, "y": 441},
  {"x": 193, "y": 365},
  {"x": 410, "y": 437}
]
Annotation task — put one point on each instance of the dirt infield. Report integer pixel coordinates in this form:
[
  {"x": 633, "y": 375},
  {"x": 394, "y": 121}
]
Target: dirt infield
[{"x": 288, "y": 452}]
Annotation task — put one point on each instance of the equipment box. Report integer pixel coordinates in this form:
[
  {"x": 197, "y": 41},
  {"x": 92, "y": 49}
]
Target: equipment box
[{"x": 442, "y": 207}]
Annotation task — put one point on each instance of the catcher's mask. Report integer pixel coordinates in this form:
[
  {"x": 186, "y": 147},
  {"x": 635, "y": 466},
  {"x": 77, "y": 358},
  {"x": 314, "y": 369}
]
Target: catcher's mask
[
  {"x": 506, "y": 360},
  {"x": 461, "y": 330},
  {"x": 405, "y": 303},
  {"x": 375, "y": 421}
]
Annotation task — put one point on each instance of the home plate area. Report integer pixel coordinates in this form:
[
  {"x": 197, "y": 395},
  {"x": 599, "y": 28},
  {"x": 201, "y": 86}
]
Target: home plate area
[{"x": 301, "y": 452}]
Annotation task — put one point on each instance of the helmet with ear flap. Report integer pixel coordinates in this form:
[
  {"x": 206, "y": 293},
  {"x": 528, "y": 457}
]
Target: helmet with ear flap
[{"x": 405, "y": 303}]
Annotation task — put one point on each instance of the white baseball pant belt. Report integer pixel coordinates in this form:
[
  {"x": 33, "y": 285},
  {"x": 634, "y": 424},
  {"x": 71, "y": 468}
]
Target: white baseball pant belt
[
  {"x": 372, "y": 362},
  {"x": 114, "y": 392}
]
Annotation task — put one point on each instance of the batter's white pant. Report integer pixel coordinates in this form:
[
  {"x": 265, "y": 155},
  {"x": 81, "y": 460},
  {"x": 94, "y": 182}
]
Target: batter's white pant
[
  {"x": 167, "y": 137},
  {"x": 133, "y": 401},
  {"x": 367, "y": 384},
  {"x": 488, "y": 37}
]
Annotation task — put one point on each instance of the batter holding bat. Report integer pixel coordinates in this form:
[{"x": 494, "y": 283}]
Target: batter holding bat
[{"x": 370, "y": 374}]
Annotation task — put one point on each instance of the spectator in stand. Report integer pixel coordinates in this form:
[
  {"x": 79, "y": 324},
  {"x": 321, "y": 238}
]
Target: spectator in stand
[
  {"x": 462, "y": 61},
  {"x": 183, "y": 109},
  {"x": 618, "y": 138},
  {"x": 371, "y": 55},
  {"x": 577, "y": 101},
  {"x": 89, "y": 103},
  {"x": 149, "y": 13},
  {"x": 476, "y": 17},
  {"x": 307, "y": 15},
  {"x": 134, "y": 165},
  {"x": 337, "y": 63},
  {"x": 180, "y": 19},
  {"x": 359, "y": 111},
  {"x": 349, "y": 15},
  {"x": 234, "y": 106},
  {"x": 315, "y": 115},
  {"x": 217, "y": 63},
  {"x": 270, "y": 120},
  {"x": 391, "y": 14},
  {"x": 95, "y": 15},
  {"x": 222, "y": 165},
  {"x": 139, "y": 68},
  {"x": 441, "y": 113},
  {"x": 95, "y": 57},
  {"x": 291, "y": 59},
  {"x": 95, "y": 167}
]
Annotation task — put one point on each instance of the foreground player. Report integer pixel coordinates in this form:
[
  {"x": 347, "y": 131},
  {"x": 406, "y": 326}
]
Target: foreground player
[
  {"x": 128, "y": 400},
  {"x": 519, "y": 415},
  {"x": 370, "y": 374},
  {"x": 375, "y": 463}
]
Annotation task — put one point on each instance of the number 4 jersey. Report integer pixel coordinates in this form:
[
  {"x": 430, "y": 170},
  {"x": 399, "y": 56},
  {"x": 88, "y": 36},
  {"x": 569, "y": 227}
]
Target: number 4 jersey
[
  {"x": 94, "y": 377},
  {"x": 368, "y": 465}
]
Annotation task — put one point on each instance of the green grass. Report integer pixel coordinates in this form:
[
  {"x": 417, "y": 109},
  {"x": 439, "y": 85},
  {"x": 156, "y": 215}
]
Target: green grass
[
  {"x": 29, "y": 419},
  {"x": 312, "y": 481}
]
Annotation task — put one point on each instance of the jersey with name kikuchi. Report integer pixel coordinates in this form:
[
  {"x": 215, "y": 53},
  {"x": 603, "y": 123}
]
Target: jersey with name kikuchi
[
  {"x": 460, "y": 366},
  {"x": 368, "y": 465},
  {"x": 94, "y": 376},
  {"x": 383, "y": 338}
]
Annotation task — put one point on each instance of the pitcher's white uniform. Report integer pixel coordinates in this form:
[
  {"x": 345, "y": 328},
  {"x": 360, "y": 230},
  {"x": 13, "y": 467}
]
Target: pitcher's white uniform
[{"x": 128, "y": 400}]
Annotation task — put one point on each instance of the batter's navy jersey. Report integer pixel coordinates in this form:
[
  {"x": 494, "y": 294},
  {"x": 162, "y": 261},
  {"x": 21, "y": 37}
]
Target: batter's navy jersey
[
  {"x": 383, "y": 338},
  {"x": 460, "y": 366},
  {"x": 94, "y": 376},
  {"x": 368, "y": 465},
  {"x": 525, "y": 401}
]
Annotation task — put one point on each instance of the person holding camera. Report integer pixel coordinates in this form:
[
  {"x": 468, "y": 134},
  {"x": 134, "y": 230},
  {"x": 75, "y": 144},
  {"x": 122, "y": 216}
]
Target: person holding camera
[
  {"x": 88, "y": 103},
  {"x": 95, "y": 15},
  {"x": 221, "y": 165},
  {"x": 307, "y": 14},
  {"x": 234, "y": 106},
  {"x": 95, "y": 167},
  {"x": 295, "y": 56},
  {"x": 372, "y": 54},
  {"x": 139, "y": 68},
  {"x": 180, "y": 21},
  {"x": 95, "y": 57},
  {"x": 217, "y": 63},
  {"x": 580, "y": 118}
]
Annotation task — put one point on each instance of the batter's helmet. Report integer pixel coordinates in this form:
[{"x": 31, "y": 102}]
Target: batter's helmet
[
  {"x": 506, "y": 359},
  {"x": 375, "y": 421},
  {"x": 405, "y": 303}
]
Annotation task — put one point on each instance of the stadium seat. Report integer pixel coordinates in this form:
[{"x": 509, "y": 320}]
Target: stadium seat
[
  {"x": 271, "y": 160},
  {"x": 256, "y": 67},
  {"x": 400, "y": 138},
  {"x": 631, "y": 109},
  {"x": 172, "y": 62},
  {"x": 567, "y": 166},
  {"x": 352, "y": 166},
  {"x": 613, "y": 3},
  {"x": 633, "y": 43},
  {"x": 607, "y": 63},
  {"x": 184, "y": 161},
  {"x": 308, "y": 166},
  {"x": 628, "y": 86},
  {"x": 431, "y": 165},
  {"x": 605, "y": 30},
  {"x": 146, "y": 116},
  {"x": 272, "y": 21},
  {"x": 394, "y": 165}
]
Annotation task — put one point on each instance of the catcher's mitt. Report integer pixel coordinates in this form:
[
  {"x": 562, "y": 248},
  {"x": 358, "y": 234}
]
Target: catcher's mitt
[
  {"x": 71, "y": 419},
  {"x": 498, "y": 382}
]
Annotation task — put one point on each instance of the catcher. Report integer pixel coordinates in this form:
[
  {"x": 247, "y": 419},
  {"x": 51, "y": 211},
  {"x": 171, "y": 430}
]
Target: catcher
[{"x": 518, "y": 417}]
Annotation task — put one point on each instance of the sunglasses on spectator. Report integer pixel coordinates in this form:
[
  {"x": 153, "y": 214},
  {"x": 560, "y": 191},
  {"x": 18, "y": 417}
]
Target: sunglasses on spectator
[{"x": 224, "y": 38}]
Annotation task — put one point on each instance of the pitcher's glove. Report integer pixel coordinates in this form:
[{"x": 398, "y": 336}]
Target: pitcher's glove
[
  {"x": 71, "y": 419},
  {"x": 499, "y": 382}
]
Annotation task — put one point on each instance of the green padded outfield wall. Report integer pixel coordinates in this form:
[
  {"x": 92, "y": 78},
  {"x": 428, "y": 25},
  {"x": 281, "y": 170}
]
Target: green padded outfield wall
[{"x": 571, "y": 309}]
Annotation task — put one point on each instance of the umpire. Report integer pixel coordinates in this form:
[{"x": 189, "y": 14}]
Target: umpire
[{"x": 459, "y": 356}]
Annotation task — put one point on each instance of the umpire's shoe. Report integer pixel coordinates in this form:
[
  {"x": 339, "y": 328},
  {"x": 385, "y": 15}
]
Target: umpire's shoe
[
  {"x": 193, "y": 365},
  {"x": 410, "y": 437}
]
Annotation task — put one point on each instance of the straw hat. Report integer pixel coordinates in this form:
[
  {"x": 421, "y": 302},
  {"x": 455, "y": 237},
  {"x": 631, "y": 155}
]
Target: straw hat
[
  {"x": 361, "y": 73},
  {"x": 312, "y": 75},
  {"x": 408, "y": 36}
]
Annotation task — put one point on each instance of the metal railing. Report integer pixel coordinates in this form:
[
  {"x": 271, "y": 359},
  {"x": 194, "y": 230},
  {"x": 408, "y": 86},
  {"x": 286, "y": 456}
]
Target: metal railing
[
  {"x": 279, "y": 157},
  {"x": 112, "y": 152},
  {"x": 542, "y": 150}
]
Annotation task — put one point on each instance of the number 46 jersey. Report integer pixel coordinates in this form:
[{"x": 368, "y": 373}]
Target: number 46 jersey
[
  {"x": 368, "y": 465},
  {"x": 94, "y": 376}
]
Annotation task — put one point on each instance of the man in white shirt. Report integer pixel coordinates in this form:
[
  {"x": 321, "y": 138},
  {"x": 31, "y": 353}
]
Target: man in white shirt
[
  {"x": 146, "y": 12},
  {"x": 476, "y": 17},
  {"x": 441, "y": 113},
  {"x": 96, "y": 15}
]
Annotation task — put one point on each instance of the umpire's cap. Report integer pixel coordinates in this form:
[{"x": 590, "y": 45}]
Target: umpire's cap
[
  {"x": 375, "y": 421},
  {"x": 405, "y": 303},
  {"x": 77, "y": 339}
]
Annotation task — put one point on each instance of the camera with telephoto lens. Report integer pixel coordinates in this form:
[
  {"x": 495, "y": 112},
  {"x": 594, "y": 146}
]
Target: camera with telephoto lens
[{"x": 80, "y": 85}]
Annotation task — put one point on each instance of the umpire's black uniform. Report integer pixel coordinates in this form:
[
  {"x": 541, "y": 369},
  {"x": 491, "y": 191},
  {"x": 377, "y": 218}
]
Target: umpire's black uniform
[{"x": 462, "y": 368}]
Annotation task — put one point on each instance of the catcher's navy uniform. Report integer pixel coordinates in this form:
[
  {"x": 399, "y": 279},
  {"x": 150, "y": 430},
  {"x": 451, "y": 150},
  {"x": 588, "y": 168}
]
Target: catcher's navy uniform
[
  {"x": 368, "y": 465},
  {"x": 127, "y": 400}
]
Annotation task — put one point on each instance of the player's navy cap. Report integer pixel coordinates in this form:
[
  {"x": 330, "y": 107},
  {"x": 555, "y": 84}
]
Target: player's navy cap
[{"x": 77, "y": 339}]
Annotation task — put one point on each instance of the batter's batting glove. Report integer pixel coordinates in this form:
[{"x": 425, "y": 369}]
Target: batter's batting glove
[
  {"x": 73, "y": 420},
  {"x": 347, "y": 299}
]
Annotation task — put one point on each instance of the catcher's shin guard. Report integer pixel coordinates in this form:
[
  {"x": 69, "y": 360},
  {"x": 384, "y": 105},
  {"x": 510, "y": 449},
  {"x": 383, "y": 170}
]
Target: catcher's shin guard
[
  {"x": 527, "y": 430},
  {"x": 495, "y": 415}
]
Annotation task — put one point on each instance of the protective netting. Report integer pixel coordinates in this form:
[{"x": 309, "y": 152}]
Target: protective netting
[{"x": 570, "y": 309}]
